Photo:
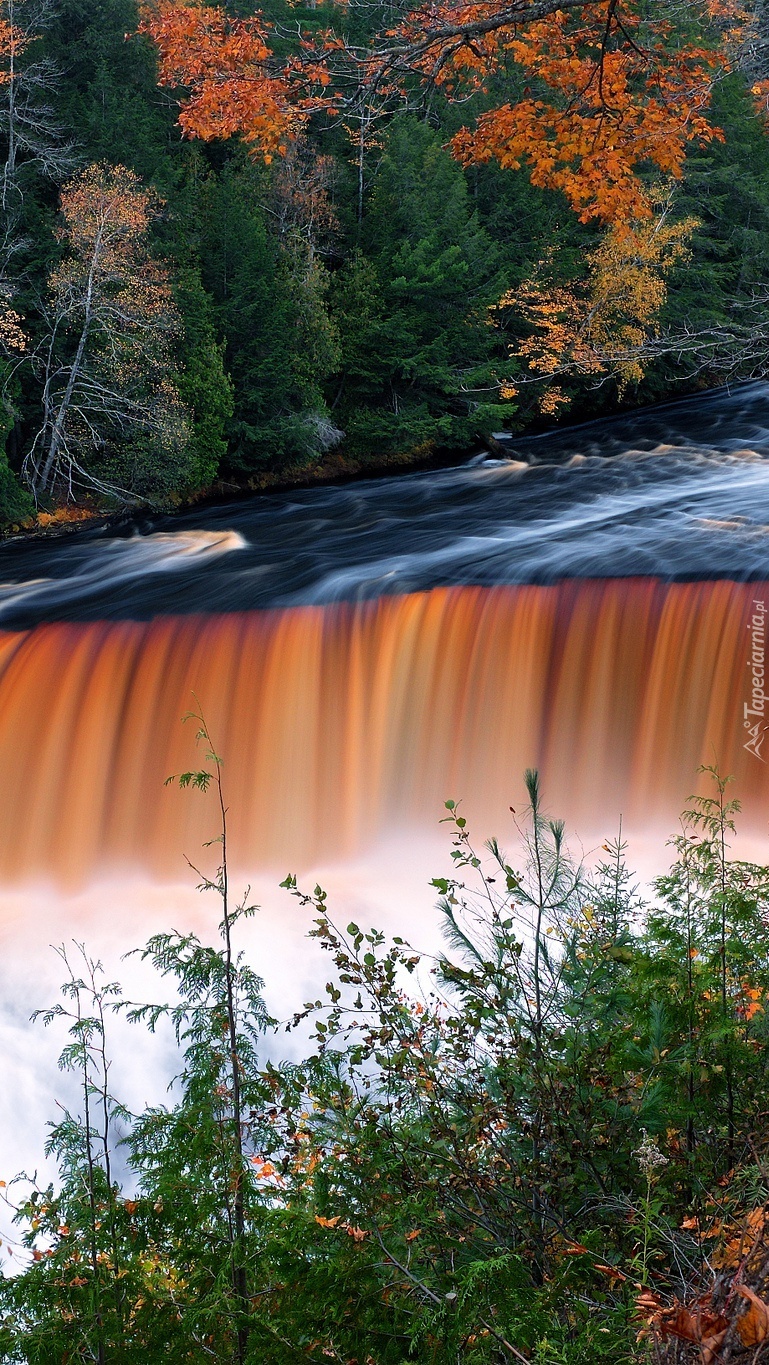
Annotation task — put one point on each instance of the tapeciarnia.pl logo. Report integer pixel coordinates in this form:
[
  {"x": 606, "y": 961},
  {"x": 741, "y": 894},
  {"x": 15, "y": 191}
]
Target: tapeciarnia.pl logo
[{"x": 754, "y": 711}]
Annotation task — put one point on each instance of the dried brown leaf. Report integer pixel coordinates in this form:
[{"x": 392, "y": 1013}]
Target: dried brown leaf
[{"x": 753, "y": 1326}]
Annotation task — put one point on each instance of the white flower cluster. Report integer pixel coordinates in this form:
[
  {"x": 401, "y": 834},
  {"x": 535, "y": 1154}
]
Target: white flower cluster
[{"x": 649, "y": 1157}]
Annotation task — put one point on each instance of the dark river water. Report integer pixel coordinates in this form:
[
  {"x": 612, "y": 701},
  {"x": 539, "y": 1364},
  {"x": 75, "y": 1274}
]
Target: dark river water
[{"x": 678, "y": 491}]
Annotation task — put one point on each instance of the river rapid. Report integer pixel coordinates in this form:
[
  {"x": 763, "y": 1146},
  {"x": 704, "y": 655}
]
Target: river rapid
[{"x": 679, "y": 491}]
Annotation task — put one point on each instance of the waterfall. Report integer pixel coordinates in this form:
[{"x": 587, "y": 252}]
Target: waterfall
[{"x": 338, "y": 723}]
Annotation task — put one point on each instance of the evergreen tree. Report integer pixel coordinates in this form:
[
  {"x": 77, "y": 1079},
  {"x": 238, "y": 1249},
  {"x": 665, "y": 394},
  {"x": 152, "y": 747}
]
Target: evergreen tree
[
  {"x": 420, "y": 361},
  {"x": 204, "y": 385},
  {"x": 271, "y": 310}
]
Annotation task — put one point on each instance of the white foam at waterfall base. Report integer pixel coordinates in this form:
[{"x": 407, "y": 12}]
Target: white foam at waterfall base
[{"x": 388, "y": 888}]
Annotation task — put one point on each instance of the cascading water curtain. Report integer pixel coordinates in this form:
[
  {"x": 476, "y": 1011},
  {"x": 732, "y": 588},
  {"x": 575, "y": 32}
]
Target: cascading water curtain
[{"x": 337, "y": 723}]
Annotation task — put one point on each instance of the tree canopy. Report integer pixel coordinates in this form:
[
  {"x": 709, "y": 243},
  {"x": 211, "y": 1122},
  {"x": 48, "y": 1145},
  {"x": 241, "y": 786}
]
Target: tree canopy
[{"x": 386, "y": 231}]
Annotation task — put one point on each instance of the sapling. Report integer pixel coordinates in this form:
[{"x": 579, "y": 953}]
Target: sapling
[{"x": 204, "y": 989}]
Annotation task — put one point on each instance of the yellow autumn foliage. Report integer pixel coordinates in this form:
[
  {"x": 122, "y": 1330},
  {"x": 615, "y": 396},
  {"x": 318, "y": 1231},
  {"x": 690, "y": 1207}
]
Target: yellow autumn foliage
[{"x": 605, "y": 324}]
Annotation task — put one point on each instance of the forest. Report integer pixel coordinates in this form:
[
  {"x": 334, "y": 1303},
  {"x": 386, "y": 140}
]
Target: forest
[
  {"x": 545, "y": 1144},
  {"x": 239, "y": 249}
]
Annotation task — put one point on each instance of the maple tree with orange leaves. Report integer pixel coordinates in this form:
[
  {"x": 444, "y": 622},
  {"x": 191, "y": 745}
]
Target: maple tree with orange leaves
[
  {"x": 610, "y": 90},
  {"x": 609, "y": 100},
  {"x": 224, "y": 64}
]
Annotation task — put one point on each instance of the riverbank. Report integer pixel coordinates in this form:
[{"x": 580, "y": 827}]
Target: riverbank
[
  {"x": 333, "y": 469},
  {"x": 686, "y": 422}
]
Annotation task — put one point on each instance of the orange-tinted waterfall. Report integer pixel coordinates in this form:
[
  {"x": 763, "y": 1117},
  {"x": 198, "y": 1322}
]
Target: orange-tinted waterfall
[{"x": 336, "y": 723}]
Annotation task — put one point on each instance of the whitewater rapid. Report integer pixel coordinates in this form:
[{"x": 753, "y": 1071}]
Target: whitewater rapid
[{"x": 676, "y": 492}]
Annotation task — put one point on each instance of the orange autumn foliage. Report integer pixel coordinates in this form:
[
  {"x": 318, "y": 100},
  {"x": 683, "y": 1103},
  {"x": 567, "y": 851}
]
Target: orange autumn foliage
[
  {"x": 753, "y": 1327},
  {"x": 108, "y": 208},
  {"x": 760, "y": 92},
  {"x": 221, "y": 63},
  {"x": 13, "y": 42},
  {"x": 732, "y": 1316},
  {"x": 610, "y": 90},
  {"x": 610, "y": 94},
  {"x": 64, "y": 516},
  {"x": 601, "y": 110},
  {"x": 606, "y": 324},
  {"x": 13, "y": 338},
  {"x": 697, "y": 1323},
  {"x": 358, "y": 1234}
]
